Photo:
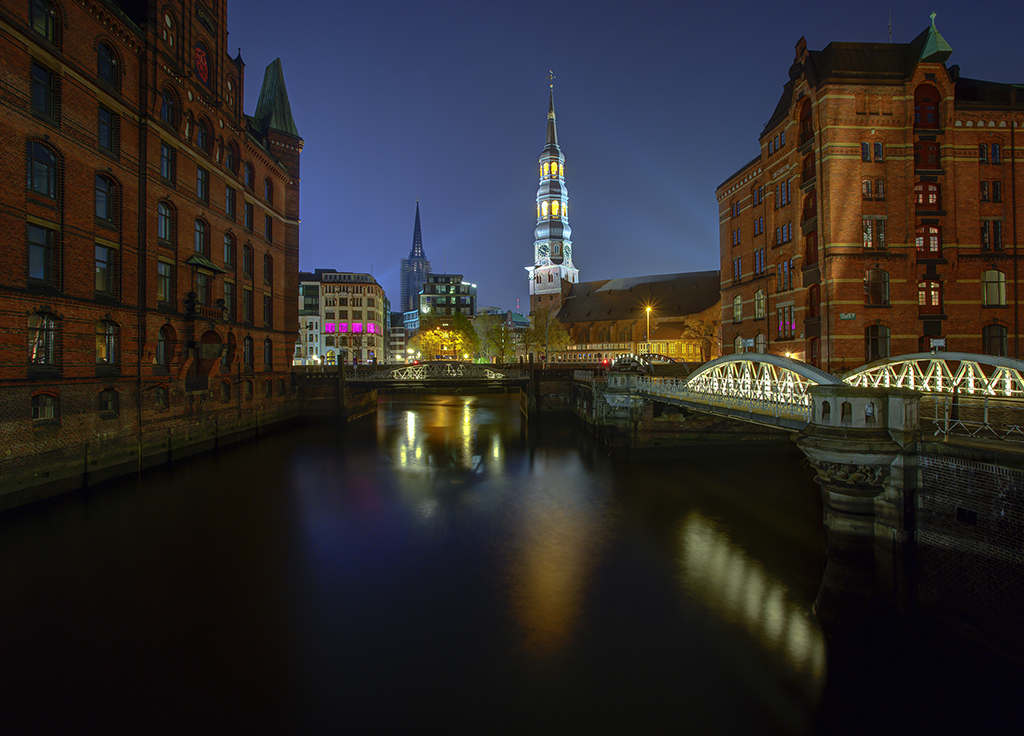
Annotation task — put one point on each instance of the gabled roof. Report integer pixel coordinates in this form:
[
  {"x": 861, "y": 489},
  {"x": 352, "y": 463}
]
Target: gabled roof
[
  {"x": 669, "y": 295},
  {"x": 273, "y": 111}
]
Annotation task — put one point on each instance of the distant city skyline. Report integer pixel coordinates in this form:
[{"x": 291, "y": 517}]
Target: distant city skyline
[{"x": 447, "y": 102}]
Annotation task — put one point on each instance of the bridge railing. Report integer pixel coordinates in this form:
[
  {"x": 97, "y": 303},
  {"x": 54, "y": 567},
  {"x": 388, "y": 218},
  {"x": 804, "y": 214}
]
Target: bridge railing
[
  {"x": 767, "y": 398},
  {"x": 984, "y": 418}
]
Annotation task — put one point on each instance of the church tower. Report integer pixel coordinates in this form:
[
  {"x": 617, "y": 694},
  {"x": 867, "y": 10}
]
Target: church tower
[
  {"x": 414, "y": 268},
  {"x": 552, "y": 269}
]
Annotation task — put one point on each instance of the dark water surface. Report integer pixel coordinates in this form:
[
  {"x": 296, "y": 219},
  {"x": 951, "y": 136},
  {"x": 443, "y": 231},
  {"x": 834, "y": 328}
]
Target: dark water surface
[{"x": 439, "y": 568}]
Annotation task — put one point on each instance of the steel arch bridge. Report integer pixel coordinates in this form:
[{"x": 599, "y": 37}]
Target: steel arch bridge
[
  {"x": 441, "y": 371},
  {"x": 773, "y": 390}
]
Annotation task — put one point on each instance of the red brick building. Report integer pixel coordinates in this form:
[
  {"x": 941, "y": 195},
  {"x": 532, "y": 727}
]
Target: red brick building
[
  {"x": 150, "y": 228},
  {"x": 881, "y": 212}
]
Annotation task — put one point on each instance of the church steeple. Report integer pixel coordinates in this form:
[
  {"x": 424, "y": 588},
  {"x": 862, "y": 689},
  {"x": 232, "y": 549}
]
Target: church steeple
[
  {"x": 552, "y": 247},
  {"x": 417, "y": 238},
  {"x": 414, "y": 268}
]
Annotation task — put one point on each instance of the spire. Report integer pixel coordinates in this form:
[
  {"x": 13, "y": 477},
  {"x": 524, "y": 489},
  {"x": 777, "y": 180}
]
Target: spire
[
  {"x": 552, "y": 131},
  {"x": 273, "y": 112},
  {"x": 935, "y": 47},
  {"x": 417, "y": 238}
]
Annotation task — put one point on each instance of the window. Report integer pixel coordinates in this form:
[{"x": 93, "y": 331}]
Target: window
[
  {"x": 268, "y": 310},
  {"x": 865, "y": 151},
  {"x": 160, "y": 397},
  {"x": 104, "y": 200},
  {"x": 202, "y": 288},
  {"x": 167, "y": 111},
  {"x": 225, "y": 392},
  {"x": 786, "y": 322},
  {"x": 247, "y": 305},
  {"x": 202, "y": 184},
  {"x": 167, "y": 161},
  {"x": 202, "y": 136},
  {"x": 926, "y": 107},
  {"x": 811, "y": 248},
  {"x": 164, "y": 223},
  {"x": 876, "y": 343},
  {"x": 201, "y": 240},
  {"x": 229, "y": 250},
  {"x": 865, "y": 189},
  {"x": 996, "y": 155},
  {"x": 268, "y": 388},
  {"x": 268, "y": 227},
  {"x": 229, "y": 202},
  {"x": 105, "y": 260},
  {"x": 993, "y": 288},
  {"x": 40, "y": 254},
  {"x": 44, "y": 92},
  {"x": 760, "y": 265},
  {"x": 784, "y": 275},
  {"x": 44, "y": 407},
  {"x": 229, "y": 300},
  {"x": 984, "y": 191},
  {"x": 929, "y": 297},
  {"x": 737, "y": 345},
  {"x": 761, "y": 343},
  {"x": 268, "y": 353},
  {"x": 737, "y": 308},
  {"x": 993, "y": 340},
  {"x": 997, "y": 191},
  {"x": 231, "y": 157},
  {"x": 268, "y": 269},
  {"x": 42, "y": 170},
  {"x": 983, "y": 153},
  {"x": 806, "y": 131},
  {"x": 879, "y": 188},
  {"x": 759, "y": 304},
  {"x": 247, "y": 348},
  {"x": 248, "y": 175},
  {"x": 782, "y": 139},
  {"x": 737, "y": 269},
  {"x": 249, "y": 215},
  {"x": 991, "y": 234},
  {"x": 927, "y": 195},
  {"x": 929, "y": 241},
  {"x": 164, "y": 346},
  {"x": 874, "y": 233},
  {"x": 879, "y": 151},
  {"x": 876, "y": 288},
  {"x": 108, "y": 402},
  {"x": 163, "y": 281},
  {"x": 247, "y": 389},
  {"x": 43, "y": 19},
  {"x": 247, "y": 260},
  {"x": 106, "y": 64},
  {"x": 42, "y": 340},
  {"x": 268, "y": 191},
  {"x": 814, "y": 301},
  {"x": 926, "y": 155},
  {"x": 107, "y": 128}
]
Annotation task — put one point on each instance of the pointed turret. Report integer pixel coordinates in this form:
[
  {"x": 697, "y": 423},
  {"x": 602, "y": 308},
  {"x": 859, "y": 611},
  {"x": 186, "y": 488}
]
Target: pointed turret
[
  {"x": 273, "y": 111},
  {"x": 935, "y": 47}
]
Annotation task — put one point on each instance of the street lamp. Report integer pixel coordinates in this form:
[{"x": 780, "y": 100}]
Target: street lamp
[{"x": 648, "y": 329}]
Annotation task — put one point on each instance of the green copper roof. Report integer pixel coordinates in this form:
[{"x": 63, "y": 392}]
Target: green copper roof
[
  {"x": 273, "y": 110},
  {"x": 201, "y": 261},
  {"x": 935, "y": 47}
]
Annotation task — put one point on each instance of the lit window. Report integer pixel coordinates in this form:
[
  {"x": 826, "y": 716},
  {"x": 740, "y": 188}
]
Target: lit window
[{"x": 993, "y": 288}]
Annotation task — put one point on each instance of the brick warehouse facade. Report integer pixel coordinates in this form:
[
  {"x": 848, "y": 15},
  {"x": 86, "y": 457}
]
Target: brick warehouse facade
[
  {"x": 150, "y": 238},
  {"x": 881, "y": 213}
]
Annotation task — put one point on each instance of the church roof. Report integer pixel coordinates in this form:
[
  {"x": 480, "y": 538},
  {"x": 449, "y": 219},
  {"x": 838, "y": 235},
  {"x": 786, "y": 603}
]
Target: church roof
[
  {"x": 669, "y": 295},
  {"x": 273, "y": 111}
]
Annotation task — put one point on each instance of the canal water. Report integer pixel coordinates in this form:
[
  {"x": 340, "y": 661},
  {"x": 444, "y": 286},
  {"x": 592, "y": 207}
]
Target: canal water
[{"x": 442, "y": 567}]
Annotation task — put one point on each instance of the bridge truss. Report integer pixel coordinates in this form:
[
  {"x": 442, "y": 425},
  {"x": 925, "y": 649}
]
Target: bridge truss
[
  {"x": 443, "y": 371},
  {"x": 963, "y": 373}
]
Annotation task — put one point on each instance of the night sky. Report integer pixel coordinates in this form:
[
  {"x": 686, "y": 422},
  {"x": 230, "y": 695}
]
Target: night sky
[{"x": 657, "y": 103}]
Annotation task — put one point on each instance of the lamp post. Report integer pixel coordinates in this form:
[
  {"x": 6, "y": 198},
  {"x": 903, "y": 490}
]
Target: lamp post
[{"x": 648, "y": 329}]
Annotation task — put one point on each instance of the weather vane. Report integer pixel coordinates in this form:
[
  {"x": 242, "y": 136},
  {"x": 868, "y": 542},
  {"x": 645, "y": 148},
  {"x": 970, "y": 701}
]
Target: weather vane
[{"x": 551, "y": 77}]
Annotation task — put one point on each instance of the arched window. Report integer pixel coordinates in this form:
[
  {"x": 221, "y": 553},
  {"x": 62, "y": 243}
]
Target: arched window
[
  {"x": 806, "y": 129},
  {"x": 248, "y": 175},
  {"x": 268, "y": 388},
  {"x": 808, "y": 172},
  {"x": 761, "y": 342},
  {"x": 42, "y": 170},
  {"x": 876, "y": 287},
  {"x": 106, "y": 343},
  {"x": 993, "y": 340},
  {"x": 737, "y": 308},
  {"x": 814, "y": 301},
  {"x": 247, "y": 260},
  {"x": 104, "y": 199},
  {"x": 229, "y": 250},
  {"x": 164, "y": 346},
  {"x": 42, "y": 340},
  {"x": 106, "y": 64},
  {"x": 993, "y": 288},
  {"x": 810, "y": 206},
  {"x": 225, "y": 392},
  {"x": 811, "y": 248},
  {"x": 168, "y": 111},
  {"x": 927, "y": 195},
  {"x": 760, "y": 304},
  {"x": 202, "y": 237},
  {"x": 929, "y": 297},
  {"x": 996, "y": 154},
  {"x": 268, "y": 352},
  {"x": 865, "y": 189},
  {"x": 247, "y": 350},
  {"x": 268, "y": 190},
  {"x": 168, "y": 29},
  {"x": 45, "y": 407},
  {"x": 737, "y": 344},
  {"x": 164, "y": 222},
  {"x": 43, "y": 19},
  {"x": 202, "y": 136},
  {"x": 876, "y": 343},
  {"x": 231, "y": 157},
  {"x": 826, "y": 411},
  {"x": 929, "y": 241},
  {"x": 926, "y": 107},
  {"x": 926, "y": 155}
]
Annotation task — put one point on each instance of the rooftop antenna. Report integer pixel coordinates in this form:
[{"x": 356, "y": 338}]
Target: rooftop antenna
[{"x": 890, "y": 25}]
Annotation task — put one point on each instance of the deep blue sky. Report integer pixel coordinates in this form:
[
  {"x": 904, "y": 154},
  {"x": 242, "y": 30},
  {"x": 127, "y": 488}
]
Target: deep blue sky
[{"x": 657, "y": 104}]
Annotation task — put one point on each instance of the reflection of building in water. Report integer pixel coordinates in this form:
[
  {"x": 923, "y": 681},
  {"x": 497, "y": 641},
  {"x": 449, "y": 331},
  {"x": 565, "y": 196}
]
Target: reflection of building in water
[{"x": 740, "y": 591}]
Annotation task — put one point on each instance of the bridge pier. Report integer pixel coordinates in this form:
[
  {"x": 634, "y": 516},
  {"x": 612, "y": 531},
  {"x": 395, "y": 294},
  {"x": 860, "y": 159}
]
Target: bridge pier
[{"x": 863, "y": 444}]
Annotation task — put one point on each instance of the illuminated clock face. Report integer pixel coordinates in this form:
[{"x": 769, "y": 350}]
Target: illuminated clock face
[
  {"x": 543, "y": 250},
  {"x": 567, "y": 251}
]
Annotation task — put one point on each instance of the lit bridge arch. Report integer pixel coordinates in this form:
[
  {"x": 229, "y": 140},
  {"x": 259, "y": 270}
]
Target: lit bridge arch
[
  {"x": 964, "y": 373},
  {"x": 440, "y": 371}
]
